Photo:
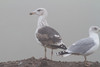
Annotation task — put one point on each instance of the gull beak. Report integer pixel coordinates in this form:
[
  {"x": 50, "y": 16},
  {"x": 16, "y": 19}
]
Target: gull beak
[
  {"x": 32, "y": 13},
  {"x": 99, "y": 29}
]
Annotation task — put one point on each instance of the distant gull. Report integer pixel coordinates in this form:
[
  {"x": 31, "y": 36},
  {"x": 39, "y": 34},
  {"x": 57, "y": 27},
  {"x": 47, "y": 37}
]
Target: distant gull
[
  {"x": 84, "y": 46},
  {"x": 45, "y": 34}
]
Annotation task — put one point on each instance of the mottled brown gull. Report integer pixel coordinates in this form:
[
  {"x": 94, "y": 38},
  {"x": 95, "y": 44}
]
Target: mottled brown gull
[{"x": 46, "y": 35}]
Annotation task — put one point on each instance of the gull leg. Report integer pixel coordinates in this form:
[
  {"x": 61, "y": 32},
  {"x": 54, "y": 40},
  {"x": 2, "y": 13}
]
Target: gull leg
[
  {"x": 87, "y": 64},
  {"x": 51, "y": 53},
  {"x": 45, "y": 52}
]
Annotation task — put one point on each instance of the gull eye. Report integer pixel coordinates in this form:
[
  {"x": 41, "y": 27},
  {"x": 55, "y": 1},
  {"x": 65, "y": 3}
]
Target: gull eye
[
  {"x": 39, "y": 10},
  {"x": 95, "y": 28}
]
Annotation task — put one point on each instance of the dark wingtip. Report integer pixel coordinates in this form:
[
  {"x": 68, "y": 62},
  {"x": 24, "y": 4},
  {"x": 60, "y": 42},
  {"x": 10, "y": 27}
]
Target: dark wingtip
[
  {"x": 65, "y": 48},
  {"x": 62, "y": 53},
  {"x": 30, "y": 13}
]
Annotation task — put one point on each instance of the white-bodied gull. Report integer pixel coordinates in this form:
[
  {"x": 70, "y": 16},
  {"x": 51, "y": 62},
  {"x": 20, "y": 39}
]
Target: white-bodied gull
[
  {"x": 45, "y": 34},
  {"x": 84, "y": 46}
]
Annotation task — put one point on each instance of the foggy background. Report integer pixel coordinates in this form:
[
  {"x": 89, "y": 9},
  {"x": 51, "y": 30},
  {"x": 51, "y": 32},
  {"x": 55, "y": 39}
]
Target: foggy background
[{"x": 71, "y": 18}]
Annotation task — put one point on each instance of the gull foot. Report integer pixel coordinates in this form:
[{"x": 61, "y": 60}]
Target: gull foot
[{"x": 87, "y": 64}]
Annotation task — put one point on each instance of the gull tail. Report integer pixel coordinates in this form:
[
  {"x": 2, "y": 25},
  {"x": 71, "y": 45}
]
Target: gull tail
[{"x": 63, "y": 53}]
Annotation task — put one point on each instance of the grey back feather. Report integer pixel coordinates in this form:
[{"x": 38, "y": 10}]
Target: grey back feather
[
  {"x": 46, "y": 34},
  {"x": 82, "y": 46}
]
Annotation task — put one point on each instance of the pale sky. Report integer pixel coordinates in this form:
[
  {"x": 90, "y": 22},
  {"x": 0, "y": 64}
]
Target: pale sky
[{"x": 71, "y": 18}]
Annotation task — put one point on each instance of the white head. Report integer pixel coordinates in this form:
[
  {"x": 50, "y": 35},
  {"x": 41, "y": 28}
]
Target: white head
[
  {"x": 40, "y": 12},
  {"x": 94, "y": 29}
]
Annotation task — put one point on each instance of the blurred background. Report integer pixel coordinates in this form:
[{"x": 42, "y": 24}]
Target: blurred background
[{"x": 71, "y": 18}]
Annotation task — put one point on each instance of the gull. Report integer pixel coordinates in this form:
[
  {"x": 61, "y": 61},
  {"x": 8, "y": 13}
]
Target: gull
[
  {"x": 46, "y": 35},
  {"x": 85, "y": 46}
]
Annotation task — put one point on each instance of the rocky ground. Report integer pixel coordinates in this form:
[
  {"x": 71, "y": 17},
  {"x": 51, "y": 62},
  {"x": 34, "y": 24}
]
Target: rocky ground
[{"x": 32, "y": 62}]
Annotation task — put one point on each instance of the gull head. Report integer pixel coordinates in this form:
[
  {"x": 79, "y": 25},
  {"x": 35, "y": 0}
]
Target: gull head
[
  {"x": 94, "y": 29},
  {"x": 39, "y": 12}
]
